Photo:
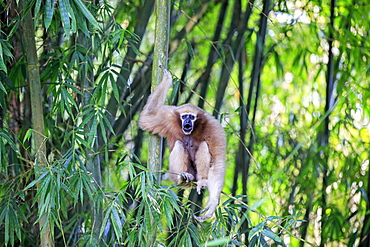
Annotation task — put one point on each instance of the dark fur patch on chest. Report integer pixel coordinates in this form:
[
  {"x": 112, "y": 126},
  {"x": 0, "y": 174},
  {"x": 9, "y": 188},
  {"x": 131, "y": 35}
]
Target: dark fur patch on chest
[{"x": 191, "y": 146}]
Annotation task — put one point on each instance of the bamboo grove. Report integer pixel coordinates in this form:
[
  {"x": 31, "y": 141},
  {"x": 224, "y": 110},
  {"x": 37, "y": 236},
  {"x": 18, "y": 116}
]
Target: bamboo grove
[{"x": 288, "y": 80}]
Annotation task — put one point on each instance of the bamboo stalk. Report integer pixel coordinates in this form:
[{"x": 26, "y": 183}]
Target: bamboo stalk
[
  {"x": 324, "y": 142},
  {"x": 162, "y": 27},
  {"x": 33, "y": 74},
  {"x": 212, "y": 56},
  {"x": 239, "y": 24}
]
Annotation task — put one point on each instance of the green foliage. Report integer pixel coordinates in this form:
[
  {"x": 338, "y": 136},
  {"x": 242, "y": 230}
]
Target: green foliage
[
  {"x": 300, "y": 156},
  {"x": 5, "y": 55},
  {"x": 13, "y": 217}
]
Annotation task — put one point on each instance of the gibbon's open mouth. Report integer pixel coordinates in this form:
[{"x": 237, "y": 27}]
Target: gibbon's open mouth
[{"x": 187, "y": 128}]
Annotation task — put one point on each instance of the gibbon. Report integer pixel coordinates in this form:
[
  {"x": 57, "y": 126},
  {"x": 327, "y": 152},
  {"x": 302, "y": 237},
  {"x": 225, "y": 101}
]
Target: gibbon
[{"x": 196, "y": 140}]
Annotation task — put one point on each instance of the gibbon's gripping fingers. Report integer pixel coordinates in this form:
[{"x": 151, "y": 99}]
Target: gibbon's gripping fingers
[
  {"x": 187, "y": 177},
  {"x": 166, "y": 74}
]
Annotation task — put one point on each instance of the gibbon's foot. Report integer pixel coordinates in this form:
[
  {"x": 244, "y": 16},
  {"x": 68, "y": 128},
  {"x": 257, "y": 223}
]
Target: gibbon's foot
[
  {"x": 203, "y": 217},
  {"x": 186, "y": 177},
  {"x": 208, "y": 211}
]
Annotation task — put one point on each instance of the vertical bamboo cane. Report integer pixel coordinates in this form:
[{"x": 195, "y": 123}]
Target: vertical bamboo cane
[
  {"x": 162, "y": 26},
  {"x": 33, "y": 74}
]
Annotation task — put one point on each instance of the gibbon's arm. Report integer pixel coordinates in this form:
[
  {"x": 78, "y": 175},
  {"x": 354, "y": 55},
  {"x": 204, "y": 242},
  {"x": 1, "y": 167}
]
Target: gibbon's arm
[{"x": 157, "y": 117}]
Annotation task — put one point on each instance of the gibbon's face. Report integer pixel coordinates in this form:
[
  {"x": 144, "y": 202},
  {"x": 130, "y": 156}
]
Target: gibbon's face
[{"x": 188, "y": 120}]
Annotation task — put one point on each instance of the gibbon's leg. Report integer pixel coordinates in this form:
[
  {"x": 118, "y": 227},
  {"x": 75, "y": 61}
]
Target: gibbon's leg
[
  {"x": 178, "y": 162},
  {"x": 215, "y": 184},
  {"x": 202, "y": 163}
]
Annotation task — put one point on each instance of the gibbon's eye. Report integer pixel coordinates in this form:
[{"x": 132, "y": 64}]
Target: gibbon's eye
[
  {"x": 185, "y": 116},
  {"x": 191, "y": 117}
]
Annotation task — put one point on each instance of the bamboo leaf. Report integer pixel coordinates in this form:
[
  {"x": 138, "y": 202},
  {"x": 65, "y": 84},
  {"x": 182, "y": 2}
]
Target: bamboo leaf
[
  {"x": 15, "y": 28},
  {"x": 237, "y": 243},
  {"x": 6, "y": 47},
  {"x": 65, "y": 95},
  {"x": 9, "y": 140},
  {"x": 217, "y": 242},
  {"x": 8, "y": 82},
  {"x": 43, "y": 174},
  {"x": 107, "y": 123},
  {"x": 117, "y": 224},
  {"x": 2, "y": 63},
  {"x": 49, "y": 12},
  {"x": 64, "y": 15},
  {"x": 92, "y": 132},
  {"x": 74, "y": 89},
  {"x": 72, "y": 16},
  {"x": 272, "y": 235},
  {"x": 133, "y": 44},
  {"x": 28, "y": 135},
  {"x": 255, "y": 229},
  {"x": 7, "y": 226},
  {"x": 168, "y": 209},
  {"x": 114, "y": 88},
  {"x": 119, "y": 74},
  {"x": 81, "y": 23},
  {"x": 37, "y": 9},
  {"x": 87, "y": 14},
  {"x": 79, "y": 188},
  {"x": 190, "y": 48},
  {"x": 105, "y": 221},
  {"x": 103, "y": 92},
  {"x": 82, "y": 141}
]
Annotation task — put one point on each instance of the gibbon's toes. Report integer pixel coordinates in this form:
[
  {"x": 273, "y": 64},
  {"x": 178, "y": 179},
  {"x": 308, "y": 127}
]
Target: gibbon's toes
[
  {"x": 202, "y": 218},
  {"x": 202, "y": 183},
  {"x": 187, "y": 177},
  {"x": 199, "y": 188},
  {"x": 203, "y": 210}
]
